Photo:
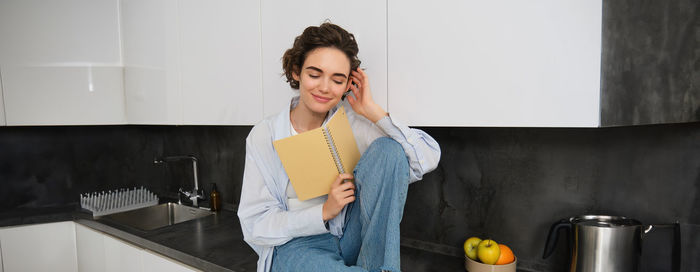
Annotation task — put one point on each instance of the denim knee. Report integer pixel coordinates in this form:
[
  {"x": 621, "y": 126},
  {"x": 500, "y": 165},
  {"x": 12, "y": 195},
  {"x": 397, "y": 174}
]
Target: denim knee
[
  {"x": 386, "y": 152},
  {"x": 389, "y": 147}
]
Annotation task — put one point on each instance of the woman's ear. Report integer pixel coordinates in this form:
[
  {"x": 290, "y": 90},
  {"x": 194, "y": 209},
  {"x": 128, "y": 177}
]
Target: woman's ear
[{"x": 295, "y": 73}]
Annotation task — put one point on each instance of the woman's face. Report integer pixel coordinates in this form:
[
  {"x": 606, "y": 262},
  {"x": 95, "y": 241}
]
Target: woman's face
[{"x": 323, "y": 79}]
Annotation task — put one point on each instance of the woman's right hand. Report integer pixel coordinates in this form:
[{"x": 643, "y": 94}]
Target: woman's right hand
[{"x": 340, "y": 195}]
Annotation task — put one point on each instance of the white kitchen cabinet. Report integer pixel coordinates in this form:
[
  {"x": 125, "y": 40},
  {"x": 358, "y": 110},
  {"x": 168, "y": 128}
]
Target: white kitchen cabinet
[
  {"x": 221, "y": 61},
  {"x": 192, "y": 62},
  {"x": 155, "y": 262},
  {"x": 90, "y": 248},
  {"x": 61, "y": 62},
  {"x": 100, "y": 252},
  {"x": 63, "y": 95},
  {"x": 40, "y": 247},
  {"x": 151, "y": 61},
  {"x": 282, "y": 21},
  {"x": 59, "y": 33},
  {"x": 2, "y": 105},
  {"x": 121, "y": 256},
  {"x": 1, "y": 269},
  {"x": 495, "y": 63}
]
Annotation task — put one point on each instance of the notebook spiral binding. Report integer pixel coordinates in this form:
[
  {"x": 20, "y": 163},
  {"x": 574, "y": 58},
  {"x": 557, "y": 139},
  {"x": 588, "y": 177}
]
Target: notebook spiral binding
[{"x": 331, "y": 146}]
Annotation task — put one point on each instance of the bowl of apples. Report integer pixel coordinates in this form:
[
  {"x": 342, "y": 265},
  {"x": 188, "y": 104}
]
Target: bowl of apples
[{"x": 488, "y": 256}]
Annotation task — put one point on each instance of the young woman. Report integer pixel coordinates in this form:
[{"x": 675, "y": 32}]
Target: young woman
[{"x": 356, "y": 226}]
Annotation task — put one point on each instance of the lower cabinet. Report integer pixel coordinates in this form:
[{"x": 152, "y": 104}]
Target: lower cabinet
[
  {"x": 91, "y": 249},
  {"x": 100, "y": 252},
  {"x": 67, "y": 246},
  {"x": 155, "y": 262},
  {"x": 41, "y": 247},
  {"x": 1, "y": 269},
  {"x": 121, "y": 256}
]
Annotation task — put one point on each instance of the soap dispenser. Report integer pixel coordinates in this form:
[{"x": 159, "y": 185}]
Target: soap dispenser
[{"x": 215, "y": 199}]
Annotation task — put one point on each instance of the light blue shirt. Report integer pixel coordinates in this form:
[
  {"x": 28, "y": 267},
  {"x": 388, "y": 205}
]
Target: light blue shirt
[{"x": 263, "y": 211}]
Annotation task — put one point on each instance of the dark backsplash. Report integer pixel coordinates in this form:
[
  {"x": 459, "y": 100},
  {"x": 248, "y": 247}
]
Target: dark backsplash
[
  {"x": 508, "y": 184},
  {"x": 650, "y": 62},
  {"x": 45, "y": 166},
  {"x": 511, "y": 184}
]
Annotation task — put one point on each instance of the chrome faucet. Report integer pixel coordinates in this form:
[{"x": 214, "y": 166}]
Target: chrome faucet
[{"x": 196, "y": 194}]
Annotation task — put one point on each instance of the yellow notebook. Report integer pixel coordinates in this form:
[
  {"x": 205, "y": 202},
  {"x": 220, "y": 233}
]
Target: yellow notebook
[{"x": 314, "y": 159}]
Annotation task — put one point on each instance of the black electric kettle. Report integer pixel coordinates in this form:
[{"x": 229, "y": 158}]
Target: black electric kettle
[{"x": 607, "y": 243}]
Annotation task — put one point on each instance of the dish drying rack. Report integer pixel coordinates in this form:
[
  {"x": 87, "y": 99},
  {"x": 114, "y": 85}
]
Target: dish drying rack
[{"x": 115, "y": 201}]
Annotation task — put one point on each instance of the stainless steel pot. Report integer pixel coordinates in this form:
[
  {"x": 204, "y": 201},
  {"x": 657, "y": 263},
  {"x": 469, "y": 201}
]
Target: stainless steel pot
[{"x": 607, "y": 243}]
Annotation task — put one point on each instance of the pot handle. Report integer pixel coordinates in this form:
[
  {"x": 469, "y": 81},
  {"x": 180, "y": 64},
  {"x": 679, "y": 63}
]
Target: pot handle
[
  {"x": 676, "y": 251},
  {"x": 553, "y": 236}
]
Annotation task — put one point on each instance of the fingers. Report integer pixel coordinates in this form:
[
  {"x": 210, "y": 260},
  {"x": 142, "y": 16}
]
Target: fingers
[
  {"x": 340, "y": 179},
  {"x": 351, "y": 100},
  {"x": 344, "y": 176},
  {"x": 355, "y": 89},
  {"x": 348, "y": 186},
  {"x": 348, "y": 200},
  {"x": 361, "y": 76}
]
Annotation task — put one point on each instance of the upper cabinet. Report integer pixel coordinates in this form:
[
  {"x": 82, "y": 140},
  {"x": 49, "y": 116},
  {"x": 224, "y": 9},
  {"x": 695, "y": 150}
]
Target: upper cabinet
[
  {"x": 502, "y": 63},
  {"x": 192, "y": 62},
  {"x": 282, "y": 21},
  {"x": 151, "y": 61},
  {"x": 2, "y": 104},
  {"x": 510, "y": 63},
  {"x": 60, "y": 62},
  {"x": 221, "y": 62}
]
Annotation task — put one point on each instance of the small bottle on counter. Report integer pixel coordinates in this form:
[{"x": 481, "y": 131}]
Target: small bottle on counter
[{"x": 215, "y": 199}]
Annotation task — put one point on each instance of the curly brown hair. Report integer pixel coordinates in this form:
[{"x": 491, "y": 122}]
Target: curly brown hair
[{"x": 325, "y": 35}]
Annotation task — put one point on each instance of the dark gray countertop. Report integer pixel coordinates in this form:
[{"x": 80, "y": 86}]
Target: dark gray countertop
[{"x": 212, "y": 243}]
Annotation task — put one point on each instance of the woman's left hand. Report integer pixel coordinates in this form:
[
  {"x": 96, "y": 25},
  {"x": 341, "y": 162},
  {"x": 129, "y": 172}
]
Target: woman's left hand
[{"x": 363, "y": 103}]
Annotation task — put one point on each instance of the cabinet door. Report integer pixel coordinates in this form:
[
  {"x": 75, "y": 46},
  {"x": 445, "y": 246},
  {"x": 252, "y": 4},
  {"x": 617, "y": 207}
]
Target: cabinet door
[
  {"x": 2, "y": 106},
  {"x": 192, "y": 62},
  {"x": 282, "y": 21},
  {"x": 221, "y": 62},
  {"x": 151, "y": 64},
  {"x": 90, "y": 248},
  {"x": 155, "y": 262},
  {"x": 59, "y": 33},
  {"x": 121, "y": 256},
  {"x": 495, "y": 63},
  {"x": 63, "y": 95},
  {"x": 42, "y": 247},
  {"x": 1, "y": 265},
  {"x": 64, "y": 66}
]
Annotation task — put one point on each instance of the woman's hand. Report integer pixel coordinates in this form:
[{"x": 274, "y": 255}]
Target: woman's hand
[
  {"x": 363, "y": 103},
  {"x": 340, "y": 195}
]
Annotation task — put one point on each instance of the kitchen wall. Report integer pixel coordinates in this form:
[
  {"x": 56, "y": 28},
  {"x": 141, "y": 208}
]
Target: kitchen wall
[{"x": 509, "y": 184}]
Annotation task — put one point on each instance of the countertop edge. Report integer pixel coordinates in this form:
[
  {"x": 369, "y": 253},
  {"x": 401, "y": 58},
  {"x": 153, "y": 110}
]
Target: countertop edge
[{"x": 144, "y": 243}]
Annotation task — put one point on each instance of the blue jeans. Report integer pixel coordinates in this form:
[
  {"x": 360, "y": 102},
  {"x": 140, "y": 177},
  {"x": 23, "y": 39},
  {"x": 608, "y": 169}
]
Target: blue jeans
[{"x": 371, "y": 238}]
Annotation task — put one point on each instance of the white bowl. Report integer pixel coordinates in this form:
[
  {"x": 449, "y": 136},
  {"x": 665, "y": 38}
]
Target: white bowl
[{"x": 474, "y": 266}]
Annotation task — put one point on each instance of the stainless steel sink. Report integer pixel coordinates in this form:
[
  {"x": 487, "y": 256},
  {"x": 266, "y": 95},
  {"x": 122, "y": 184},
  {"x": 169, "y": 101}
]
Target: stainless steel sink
[{"x": 158, "y": 216}]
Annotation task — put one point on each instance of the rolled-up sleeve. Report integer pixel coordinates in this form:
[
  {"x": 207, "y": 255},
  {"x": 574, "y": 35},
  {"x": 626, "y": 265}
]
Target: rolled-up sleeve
[{"x": 422, "y": 151}]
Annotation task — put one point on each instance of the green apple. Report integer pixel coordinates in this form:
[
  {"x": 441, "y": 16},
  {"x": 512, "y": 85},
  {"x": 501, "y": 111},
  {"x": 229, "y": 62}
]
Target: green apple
[
  {"x": 488, "y": 251},
  {"x": 470, "y": 247}
]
